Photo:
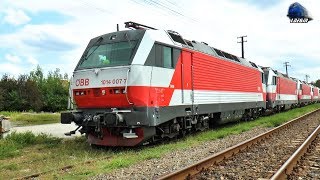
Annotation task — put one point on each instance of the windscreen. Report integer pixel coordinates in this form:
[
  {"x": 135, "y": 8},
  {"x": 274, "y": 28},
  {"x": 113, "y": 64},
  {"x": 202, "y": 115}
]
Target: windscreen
[{"x": 104, "y": 55}]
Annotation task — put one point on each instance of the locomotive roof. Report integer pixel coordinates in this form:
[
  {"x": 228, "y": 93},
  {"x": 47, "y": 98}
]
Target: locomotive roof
[
  {"x": 171, "y": 38},
  {"x": 279, "y": 74},
  {"x": 285, "y": 76},
  {"x": 126, "y": 35},
  {"x": 177, "y": 40}
]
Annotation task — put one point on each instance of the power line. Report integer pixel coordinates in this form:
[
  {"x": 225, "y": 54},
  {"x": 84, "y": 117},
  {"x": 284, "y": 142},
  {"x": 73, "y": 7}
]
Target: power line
[
  {"x": 170, "y": 2},
  {"x": 101, "y": 10},
  {"x": 166, "y": 5},
  {"x": 161, "y": 4},
  {"x": 242, "y": 43},
  {"x": 147, "y": 4}
]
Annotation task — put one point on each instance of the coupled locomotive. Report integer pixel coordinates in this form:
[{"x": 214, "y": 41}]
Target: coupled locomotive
[{"x": 138, "y": 86}]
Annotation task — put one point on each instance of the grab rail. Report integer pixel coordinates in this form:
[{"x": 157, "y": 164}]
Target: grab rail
[{"x": 126, "y": 87}]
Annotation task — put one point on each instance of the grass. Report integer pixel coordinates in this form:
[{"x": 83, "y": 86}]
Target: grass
[
  {"x": 23, "y": 154},
  {"x": 24, "y": 119},
  {"x": 12, "y": 145},
  {"x": 45, "y": 153},
  {"x": 268, "y": 121}
]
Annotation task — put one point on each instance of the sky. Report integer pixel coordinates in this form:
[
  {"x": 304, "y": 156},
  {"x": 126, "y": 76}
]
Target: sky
[{"x": 54, "y": 33}]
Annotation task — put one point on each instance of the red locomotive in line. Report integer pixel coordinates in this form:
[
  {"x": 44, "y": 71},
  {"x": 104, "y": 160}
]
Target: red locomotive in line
[{"x": 138, "y": 86}]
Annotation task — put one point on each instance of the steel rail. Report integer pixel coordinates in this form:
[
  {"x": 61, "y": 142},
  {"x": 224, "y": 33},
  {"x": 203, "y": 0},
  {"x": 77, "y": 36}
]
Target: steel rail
[
  {"x": 188, "y": 171},
  {"x": 287, "y": 168}
]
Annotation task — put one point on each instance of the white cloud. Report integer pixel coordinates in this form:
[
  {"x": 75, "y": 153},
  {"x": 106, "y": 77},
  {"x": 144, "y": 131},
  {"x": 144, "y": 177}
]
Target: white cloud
[
  {"x": 16, "y": 65},
  {"x": 11, "y": 69},
  {"x": 312, "y": 72},
  {"x": 32, "y": 60},
  {"x": 32, "y": 38},
  {"x": 16, "y": 17},
  {"x": 271, "y": 38},
  {"x": 13, "y": 59}
]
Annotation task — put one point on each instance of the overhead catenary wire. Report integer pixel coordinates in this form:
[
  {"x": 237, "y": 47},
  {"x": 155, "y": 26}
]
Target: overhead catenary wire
[
  {"x": 164, "y": 6},
  {"x": 101, "y": 10}
]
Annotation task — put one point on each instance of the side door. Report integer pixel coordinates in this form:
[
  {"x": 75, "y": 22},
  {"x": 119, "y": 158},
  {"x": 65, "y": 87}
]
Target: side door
[
  {"x": 187, "y": 97},
  {"x": 278, "y": 91}
]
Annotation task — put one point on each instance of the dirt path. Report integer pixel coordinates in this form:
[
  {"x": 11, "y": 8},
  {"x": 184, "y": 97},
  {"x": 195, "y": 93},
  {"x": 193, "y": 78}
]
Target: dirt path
[{"x": 56, "y": 129}]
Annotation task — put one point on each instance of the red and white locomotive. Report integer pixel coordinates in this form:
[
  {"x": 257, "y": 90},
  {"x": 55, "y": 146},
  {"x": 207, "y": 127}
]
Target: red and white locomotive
[
  {"x": 138, "y": 86},
  {"x": 282, "y": 90}
]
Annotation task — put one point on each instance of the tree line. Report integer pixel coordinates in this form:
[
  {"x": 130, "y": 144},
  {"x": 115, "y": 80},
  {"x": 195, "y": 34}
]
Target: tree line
[
  {"x": 34, "y": 92},
  {"x": 317, "y": 83}
]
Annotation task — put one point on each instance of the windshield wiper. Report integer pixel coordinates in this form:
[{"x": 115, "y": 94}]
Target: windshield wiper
[
  {"x": 99, "y": 40},
  {"x": 126, "y": 35}
]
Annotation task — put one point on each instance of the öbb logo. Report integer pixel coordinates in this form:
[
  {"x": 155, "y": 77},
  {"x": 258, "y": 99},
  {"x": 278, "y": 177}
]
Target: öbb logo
[
  {"x": 82, "y": 82},
  {"x": 298, "y": 14}
]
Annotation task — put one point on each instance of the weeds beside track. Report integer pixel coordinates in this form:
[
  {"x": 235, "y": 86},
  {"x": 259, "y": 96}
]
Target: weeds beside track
[{"x": 43, "y": 157}]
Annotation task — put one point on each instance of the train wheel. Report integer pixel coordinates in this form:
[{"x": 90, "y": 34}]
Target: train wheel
[{"x": 182, "y": 133}]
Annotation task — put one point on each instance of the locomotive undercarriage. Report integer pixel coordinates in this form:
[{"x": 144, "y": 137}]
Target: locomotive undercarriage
[
  {"x": 96, "y": 121},
  {"x": 113, "y": 128},
  {"x": 100, "y": 125},
  {"x": 180, "y": 126},
  {"x": 282, "y": 105},
  {"x": 130, "y": 127}
]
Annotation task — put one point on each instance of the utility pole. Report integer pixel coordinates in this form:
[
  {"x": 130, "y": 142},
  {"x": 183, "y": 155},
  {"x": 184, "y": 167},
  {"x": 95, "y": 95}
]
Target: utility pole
[
  {"x": 307, "y": 76},
  {"x": 242, "y": 41},
  {"x": 286, "y": 64}
]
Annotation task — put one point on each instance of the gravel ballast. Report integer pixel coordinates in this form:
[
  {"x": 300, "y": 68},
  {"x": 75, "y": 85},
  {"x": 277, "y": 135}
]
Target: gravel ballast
[
  {"x": 153, "y": 168},
  {"x": 263, "y": 160},
  {"x": 309, "y": 166}
]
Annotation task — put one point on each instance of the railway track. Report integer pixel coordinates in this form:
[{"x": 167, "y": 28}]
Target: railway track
[
  {"x": 288, "y": 168},
  {"x": 258, "y": 157},
  {"x": 309, "y": 165}
]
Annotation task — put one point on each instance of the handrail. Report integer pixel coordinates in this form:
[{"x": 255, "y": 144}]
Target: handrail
[{"x": 126, "y": 87}]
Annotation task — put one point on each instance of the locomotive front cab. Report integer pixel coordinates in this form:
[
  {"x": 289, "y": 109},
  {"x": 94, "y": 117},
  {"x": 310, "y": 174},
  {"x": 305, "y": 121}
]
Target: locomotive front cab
[
  {"x": 271, "y": 83},
  {"x": 100, "y": 79},
  {"x": 108, "y": 90}
]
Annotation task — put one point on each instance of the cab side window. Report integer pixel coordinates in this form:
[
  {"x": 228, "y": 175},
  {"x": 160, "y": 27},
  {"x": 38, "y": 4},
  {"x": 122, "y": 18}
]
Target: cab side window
[
  {"x": 263, "y": 78},
  {"x": 274, "y": 80},
  {"x": 167, "y": 57},
  {"x": 163, "y": 56}
]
